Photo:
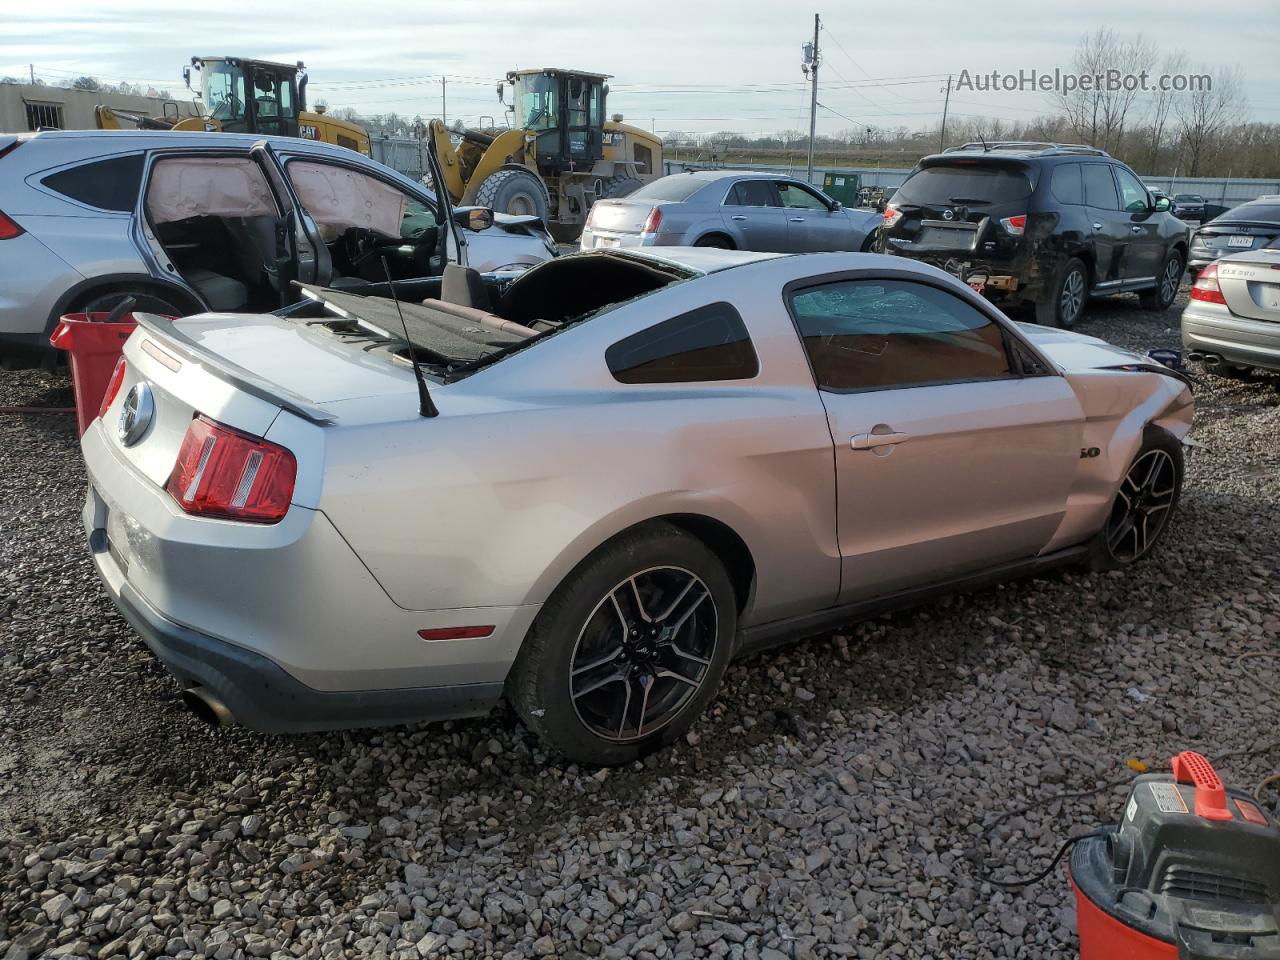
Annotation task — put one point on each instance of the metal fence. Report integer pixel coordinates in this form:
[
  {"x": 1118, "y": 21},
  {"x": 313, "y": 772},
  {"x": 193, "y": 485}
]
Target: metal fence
[{"x": 403, "y": 154}]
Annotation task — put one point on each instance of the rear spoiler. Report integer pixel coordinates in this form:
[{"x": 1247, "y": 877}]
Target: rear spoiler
[{"x": 232, "y": 373}]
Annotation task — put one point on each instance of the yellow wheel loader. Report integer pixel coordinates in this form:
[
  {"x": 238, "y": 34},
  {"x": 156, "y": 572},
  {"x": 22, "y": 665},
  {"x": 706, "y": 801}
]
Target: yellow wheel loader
[
  {"x": 248, "y": 96},
  {"x": 558, "y": 158}
]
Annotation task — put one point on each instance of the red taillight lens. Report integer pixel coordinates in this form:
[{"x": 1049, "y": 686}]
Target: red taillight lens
[
  {"x": 9, "y": 229},
  {"x": 113, "y": 387},
  {"x": 653, "y": 221},
  {"x": 1015, "y": 225},
  {"x": 1206, "y": 288},
  {"x": 891, "y": 215},
  {"x": 222, "y": 472}
]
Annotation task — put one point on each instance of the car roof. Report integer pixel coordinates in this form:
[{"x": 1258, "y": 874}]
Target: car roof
[
  {"x": 124, "y": 139},
  {"x": 711, "y": 176}
]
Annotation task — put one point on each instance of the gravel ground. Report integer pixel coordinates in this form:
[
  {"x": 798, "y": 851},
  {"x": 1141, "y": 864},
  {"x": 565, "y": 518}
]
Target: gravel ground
[{"x": 839, "y": 799}]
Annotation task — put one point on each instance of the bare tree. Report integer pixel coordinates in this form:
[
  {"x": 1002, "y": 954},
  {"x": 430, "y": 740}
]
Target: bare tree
[
  {"x": 1205, "y": 115},
  {"x": 1174, "y": 63},
  {"x": 1098, "y": 115},
  {"x": 86, "y": 83}
]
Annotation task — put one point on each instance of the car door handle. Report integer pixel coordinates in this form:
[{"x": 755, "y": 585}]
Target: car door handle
[
  {"x": 868, "y": 441},
  {"x": 1097, "y": 226},
  {"x": 796, "y": 219},
  {"x": 737, "y": 216}
]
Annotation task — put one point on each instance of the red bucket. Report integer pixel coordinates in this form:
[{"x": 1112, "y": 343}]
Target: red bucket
[{"x": 94, "y": 346}]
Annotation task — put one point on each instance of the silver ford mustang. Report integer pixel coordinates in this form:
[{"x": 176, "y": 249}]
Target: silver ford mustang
[{"x": 589, "y": 487}]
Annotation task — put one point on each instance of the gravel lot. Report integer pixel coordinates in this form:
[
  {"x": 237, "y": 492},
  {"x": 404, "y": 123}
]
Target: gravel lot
[{"x": 840, "y": 798}]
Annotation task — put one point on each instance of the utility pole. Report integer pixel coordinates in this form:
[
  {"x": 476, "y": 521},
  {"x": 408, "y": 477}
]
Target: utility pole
[
  {"x": 810, "y": 66},
  {"x": 444, "y": 113},
  {"x": 32, "y": 66},
  {"x": 942, "y": 134}
]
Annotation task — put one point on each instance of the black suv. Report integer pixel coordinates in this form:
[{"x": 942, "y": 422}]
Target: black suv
[{"x": 1042, "y": 223}]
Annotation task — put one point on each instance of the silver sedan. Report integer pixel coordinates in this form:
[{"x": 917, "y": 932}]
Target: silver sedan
[
  {"x": 594, "y": 491},
  {"x": 731, "y": 209}
]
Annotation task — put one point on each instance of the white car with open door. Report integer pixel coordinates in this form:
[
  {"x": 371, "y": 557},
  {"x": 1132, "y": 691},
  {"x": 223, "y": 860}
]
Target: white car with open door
[{"x": 187, "y": 222}]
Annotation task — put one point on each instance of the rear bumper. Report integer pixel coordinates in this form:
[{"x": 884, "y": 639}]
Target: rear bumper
[
  {"x": 597, "y": 239},
  {"x": 1023, "y": 276},
  {"x": 283, "y": 622},
  {"x": 1213, "y": 329},
  {"x": 262, "y": 696}
]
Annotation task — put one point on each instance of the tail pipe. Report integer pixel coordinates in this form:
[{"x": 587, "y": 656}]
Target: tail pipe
[
  {"x": 208, "y": 706},
  {"x": 1208, "y": 359}
]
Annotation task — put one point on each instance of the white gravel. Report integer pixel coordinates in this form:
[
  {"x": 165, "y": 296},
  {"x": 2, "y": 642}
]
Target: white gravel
[{"x": 838, "y": 799}]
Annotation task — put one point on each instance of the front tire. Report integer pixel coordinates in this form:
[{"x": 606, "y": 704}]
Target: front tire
[
  {"x": 1065, "y": 306},
  {"x": 629, "y": 649},
  {"x": 1161, "y": 295},
  {"x": 516, "y": 191},
  {"x": 1144, "y": 504}
]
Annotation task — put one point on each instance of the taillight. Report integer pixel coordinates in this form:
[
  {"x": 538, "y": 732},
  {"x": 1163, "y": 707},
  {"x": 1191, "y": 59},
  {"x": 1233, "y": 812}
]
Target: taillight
[
  {"x": 1015, "y": 225},
  {"x": 113, "y": 387},
  {"x": 1206, "y": 288},
  {"x": 653, "y": 221},
  {"x": 9, "y": 229},
  {"x": 891, "y": 215},
  {"x": 222, "y": 472}
]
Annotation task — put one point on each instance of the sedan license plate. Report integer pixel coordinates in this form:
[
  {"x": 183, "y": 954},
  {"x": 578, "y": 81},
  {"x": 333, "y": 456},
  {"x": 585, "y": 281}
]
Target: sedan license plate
[
  {"x": 1239, "y": 241},
  {"x": 1271, "y": 296},
  {"x": 607, "y": 241}
]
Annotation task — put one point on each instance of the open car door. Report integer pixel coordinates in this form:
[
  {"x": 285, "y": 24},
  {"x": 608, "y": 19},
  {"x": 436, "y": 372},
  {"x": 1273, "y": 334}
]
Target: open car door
[
  {"x": 444, "y": 207},
  {"x": 300, "y": 251}
]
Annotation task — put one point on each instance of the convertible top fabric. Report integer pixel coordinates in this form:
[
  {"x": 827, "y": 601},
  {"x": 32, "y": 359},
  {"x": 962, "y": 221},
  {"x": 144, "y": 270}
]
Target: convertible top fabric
[{"x": 429, "y": 328}]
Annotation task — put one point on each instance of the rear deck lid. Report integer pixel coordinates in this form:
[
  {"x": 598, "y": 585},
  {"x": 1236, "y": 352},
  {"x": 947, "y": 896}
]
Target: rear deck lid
[{"x": 1250, "y": 283}]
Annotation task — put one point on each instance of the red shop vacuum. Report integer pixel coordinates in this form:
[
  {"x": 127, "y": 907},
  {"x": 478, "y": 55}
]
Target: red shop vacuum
[{"x": 1191, "y": 873}]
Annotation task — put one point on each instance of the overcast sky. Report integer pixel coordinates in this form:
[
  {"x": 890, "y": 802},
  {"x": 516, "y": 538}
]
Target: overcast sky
[{"x": 678, "y": 65}]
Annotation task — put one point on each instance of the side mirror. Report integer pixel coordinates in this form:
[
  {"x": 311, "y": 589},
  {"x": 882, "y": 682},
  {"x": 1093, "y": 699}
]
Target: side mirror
[
  {"x": 186, "y": 76},
  {"x": 474, "y": 218},
  {"x": 1163, "y": 204},
  {"x": 836, "y": 205}
]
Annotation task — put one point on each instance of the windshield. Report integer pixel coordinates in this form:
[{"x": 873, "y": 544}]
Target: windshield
[
  {"x": 945, "y": 185},
  {"x": 224, "y": 91},
  {"x": 538, "y": 109}
]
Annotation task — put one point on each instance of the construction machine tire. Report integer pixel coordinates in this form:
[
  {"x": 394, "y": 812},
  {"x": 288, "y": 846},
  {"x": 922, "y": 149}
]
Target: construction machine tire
[{"x": 514, "y": 190}]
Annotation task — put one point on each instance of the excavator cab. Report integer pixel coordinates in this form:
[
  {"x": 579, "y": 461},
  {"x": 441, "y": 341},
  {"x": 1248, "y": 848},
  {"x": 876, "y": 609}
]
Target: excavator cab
[
  {"x": 251, "y": 96},
  {"x": 564, "y": 109}
]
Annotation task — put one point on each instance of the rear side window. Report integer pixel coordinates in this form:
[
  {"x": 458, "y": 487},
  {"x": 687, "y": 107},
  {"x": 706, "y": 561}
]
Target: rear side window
[
  {"x": 1066, "y": 184},
  {"x": 710, "y": 343},
  {"x": 674, "y": 188},
  {"x": 880, "y": 334},
  {"x": 110, "y": 184},
  {"x": 752, "y": 193},
  {"x": 948, "y": 184},
  {"x": 1099, "y": 186}
]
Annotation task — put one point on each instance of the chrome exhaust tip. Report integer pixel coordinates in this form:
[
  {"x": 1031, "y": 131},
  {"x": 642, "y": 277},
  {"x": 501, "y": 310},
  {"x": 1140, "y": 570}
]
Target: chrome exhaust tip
[
  {"x": 1211, "y": 359},
  {"x": 206, "y": 706}
]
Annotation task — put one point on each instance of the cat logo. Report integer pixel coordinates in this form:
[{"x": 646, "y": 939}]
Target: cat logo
[{"x": 308, "y": 132}]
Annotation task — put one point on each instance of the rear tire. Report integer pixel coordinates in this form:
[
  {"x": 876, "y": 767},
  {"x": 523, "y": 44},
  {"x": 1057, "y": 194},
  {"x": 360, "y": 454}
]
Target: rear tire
[
  {"x": 597, "y": 667},
  {"x": 1066, "y": 305},
  {"x": 1144, "y": 504},
  {"x": 1163, "y": 293},
  {"x": 516, "y": 191}
]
